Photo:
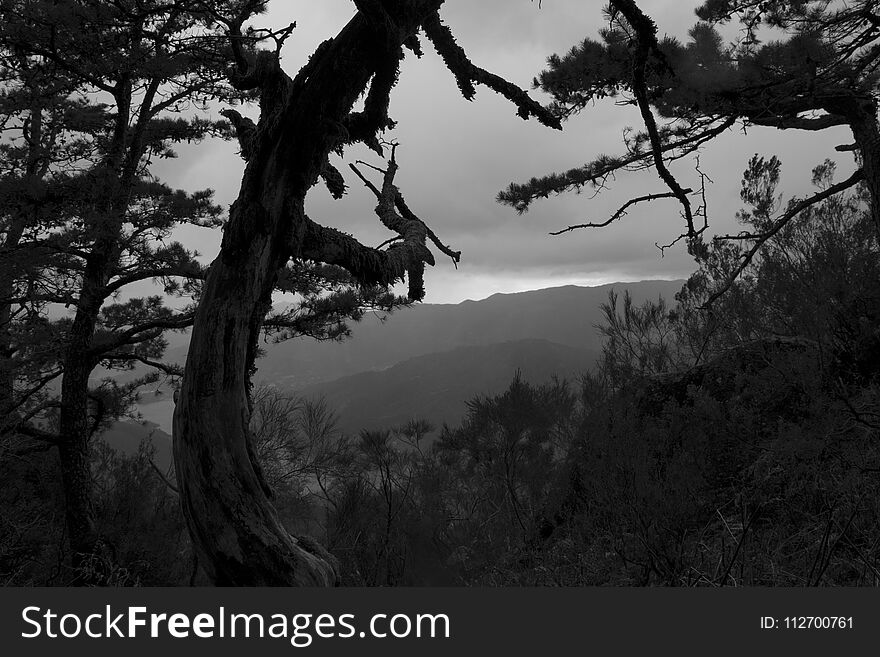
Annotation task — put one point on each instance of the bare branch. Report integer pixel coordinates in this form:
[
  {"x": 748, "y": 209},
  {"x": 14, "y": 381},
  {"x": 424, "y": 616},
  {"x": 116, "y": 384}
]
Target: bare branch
[
  {"x": 406, "y": 257},
  {"x": 621, "y": 211},
  {"x": 401, "y": 205}
]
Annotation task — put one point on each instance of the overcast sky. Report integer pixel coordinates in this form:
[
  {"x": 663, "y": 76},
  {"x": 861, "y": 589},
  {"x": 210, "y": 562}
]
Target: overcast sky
[{"x": 456, "y": 155}]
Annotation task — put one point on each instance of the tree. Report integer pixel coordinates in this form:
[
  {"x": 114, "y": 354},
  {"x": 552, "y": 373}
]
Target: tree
[
  {"x": 94, "y": 93},
  {"x": 509, "y": 443},
  {"x": 39, "y": 119},
  {"x": 773, "y": 389},
  {"x": 302, "y": 120},
  {"x": 821, "y": 73}
]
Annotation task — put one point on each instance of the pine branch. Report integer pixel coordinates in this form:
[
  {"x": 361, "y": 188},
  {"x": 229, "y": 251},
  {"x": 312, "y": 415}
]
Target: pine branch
[
  {"x": 188, "y": 270},
  {"x": 37, "y": 434},
  {"x": 520, "y": 196},
  {"x": 38, "y": 385},
  {"x": 143, "y": 332},
  {"x": 170, "y": 369},
  {"x": 800, "y": 123}
]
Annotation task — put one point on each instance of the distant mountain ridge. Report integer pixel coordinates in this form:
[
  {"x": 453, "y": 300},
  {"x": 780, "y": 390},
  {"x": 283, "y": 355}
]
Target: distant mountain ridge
[{"x": 564, "y": 315}]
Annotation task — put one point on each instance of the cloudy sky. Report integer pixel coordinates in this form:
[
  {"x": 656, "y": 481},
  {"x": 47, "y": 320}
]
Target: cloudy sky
[{"x": 456, "y": 155}]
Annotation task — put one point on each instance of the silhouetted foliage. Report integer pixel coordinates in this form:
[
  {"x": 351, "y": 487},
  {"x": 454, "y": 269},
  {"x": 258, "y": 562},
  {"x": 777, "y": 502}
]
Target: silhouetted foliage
[
  {"x": 93, "y": 94},
  {"x": 736, "y": 447},
  {"x": 794, "y": 65}
]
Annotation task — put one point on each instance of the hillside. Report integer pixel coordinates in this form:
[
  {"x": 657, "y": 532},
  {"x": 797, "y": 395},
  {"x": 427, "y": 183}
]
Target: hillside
[
  {"x": 125, "y": 436},
  {"x": 436, "y": 386},
  {"x": 564, "y": 315}
]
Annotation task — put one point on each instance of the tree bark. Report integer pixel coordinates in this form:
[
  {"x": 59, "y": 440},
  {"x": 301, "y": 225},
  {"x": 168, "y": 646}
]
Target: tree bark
[
  {"x": 74, "y": 425},
  {"x": 7, "y": 349},
  {"x": 867, "y": 137}
]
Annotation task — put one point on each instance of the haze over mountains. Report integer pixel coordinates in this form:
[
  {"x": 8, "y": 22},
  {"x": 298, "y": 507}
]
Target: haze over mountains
[
  {"x": 427, "y": 361},
  {"x": 564, "y": 315},
  {"x": 435, "y": 387}
]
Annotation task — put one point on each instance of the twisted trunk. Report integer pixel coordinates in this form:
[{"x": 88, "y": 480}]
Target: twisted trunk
[
  {"x": 867, "y": 136},
  {"x": 234, "y": 527}
]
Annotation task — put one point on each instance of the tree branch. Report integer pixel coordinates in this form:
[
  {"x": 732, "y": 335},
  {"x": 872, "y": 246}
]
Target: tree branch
[
  {"x": 170, "y": 369},
  {"x": 364, "y": 126},
  {"x": 159, "y": 272},
  {"x": 466, "y": 74},
  {"x": 142, "y": 332},
  {"x": 403, "y": 208},
  {"x": 800, "y": 123},
  {"x": 244, "y": 132},
  {"x": 778, "y": 225},
  {"x": 646, "y": 34},
  {"x": 368, "y": 266},
  {"x": 521, "y": 195},
  {"x": 621, "y": 211},
  {"x": 38, "y": 434}
]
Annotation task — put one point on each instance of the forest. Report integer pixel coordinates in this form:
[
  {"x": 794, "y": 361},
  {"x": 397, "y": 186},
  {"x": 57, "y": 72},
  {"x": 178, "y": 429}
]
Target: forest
[{"x": 724, "y": 437}]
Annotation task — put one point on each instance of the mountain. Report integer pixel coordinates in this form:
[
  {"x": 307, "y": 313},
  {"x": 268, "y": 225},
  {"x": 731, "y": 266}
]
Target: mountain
[
  {"x": 125, "y": 437},
  {"x": 565, "y": 316},
  {"x": 436, "y": 386}
]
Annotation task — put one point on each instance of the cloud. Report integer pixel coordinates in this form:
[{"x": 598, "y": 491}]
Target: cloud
[{"x": 455, "y": 155}]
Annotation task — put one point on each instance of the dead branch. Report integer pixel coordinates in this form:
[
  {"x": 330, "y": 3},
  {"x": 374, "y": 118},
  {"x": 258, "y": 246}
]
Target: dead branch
[{"x": 620, "y": 212}]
